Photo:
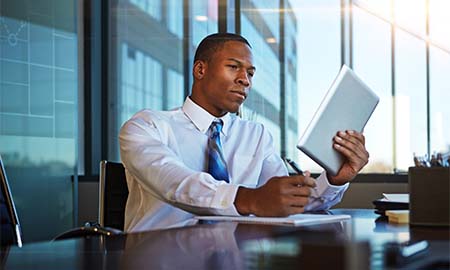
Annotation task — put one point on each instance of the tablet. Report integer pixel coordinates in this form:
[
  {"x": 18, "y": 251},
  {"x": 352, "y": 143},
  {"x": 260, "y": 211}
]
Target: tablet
[{"x": 347, "y": 105}]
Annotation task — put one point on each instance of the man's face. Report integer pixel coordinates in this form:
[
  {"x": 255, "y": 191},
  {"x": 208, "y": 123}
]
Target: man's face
[{"x": 226, "y": 79}]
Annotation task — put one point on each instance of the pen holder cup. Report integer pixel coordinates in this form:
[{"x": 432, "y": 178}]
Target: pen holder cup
[{"x": 429, "y": 196}]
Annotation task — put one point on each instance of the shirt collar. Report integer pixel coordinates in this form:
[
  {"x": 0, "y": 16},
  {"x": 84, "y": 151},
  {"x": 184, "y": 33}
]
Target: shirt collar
[{"x": 203, "y": 119}]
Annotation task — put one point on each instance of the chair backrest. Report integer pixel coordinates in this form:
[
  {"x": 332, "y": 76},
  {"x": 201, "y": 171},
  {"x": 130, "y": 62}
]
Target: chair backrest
[
  {"x": 113, "y": 194},
  {"x": 11, "y": 232}
]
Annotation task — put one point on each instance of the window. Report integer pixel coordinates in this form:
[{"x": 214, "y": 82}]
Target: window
[
  {"x": 319, "y": 60},
  {"x": 372, "y": 61},
  {"x": 298, "y": 53},
  {"x": 147, "y": 46},
  {"x": 439, "y": 95},
  {"x": 260, "y": 26},
  {"x": 203, "y": 21},
  {"x": 410, "y": 82},
  {"x": 38, "y": 112},
  {"x": 289, "y": 66},
  {"x": 439, "y": 79},
  {"x": 414, "y": 130},
  {"x": 410, "y": 99}
]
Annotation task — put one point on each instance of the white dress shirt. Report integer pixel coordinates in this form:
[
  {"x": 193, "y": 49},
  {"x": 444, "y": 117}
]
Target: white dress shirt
[{"x": 165, "y": 158}]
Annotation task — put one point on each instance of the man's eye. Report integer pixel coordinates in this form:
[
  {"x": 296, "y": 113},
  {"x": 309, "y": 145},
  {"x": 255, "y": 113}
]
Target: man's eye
[
  {"x": 233, "y": 66},
  {"x": 251, "y": 74}
]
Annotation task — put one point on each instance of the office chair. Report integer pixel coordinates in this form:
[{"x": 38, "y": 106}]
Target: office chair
[
  {"x": 11, "y": 233},
  {"x": 113, "y": 194}
]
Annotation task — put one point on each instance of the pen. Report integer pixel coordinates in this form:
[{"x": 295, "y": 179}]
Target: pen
[{"x": 294, "y": 166}]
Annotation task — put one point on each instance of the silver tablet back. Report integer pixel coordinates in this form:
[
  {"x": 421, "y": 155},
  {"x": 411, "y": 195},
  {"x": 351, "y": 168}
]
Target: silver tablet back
[{"x": 347, "y": 105}]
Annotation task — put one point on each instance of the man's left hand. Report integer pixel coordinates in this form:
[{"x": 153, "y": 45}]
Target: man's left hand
[{"x": 351, "y": 145}]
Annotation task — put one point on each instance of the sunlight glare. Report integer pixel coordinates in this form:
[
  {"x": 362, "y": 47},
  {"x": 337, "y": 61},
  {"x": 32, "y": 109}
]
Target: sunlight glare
[
  {"x": 411, "y": 15},
  {"x": 439, "y": 22}
]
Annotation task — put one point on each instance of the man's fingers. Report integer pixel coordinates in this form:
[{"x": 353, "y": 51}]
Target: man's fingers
[
  {"x": 351, "y": 153},
  {"x": 355, "y": 147},
  {"x": 292, "y": 210},
  {"x": 304, "y": 191},
  {"x": 352, "y": 137},
  {"x": 359, "y": 136},
  {"x": 296, "y": 210},
  {"x": 302, "y": 180},
  {"x": 296, "y": 201},
  {"x": 309, "y": 181},
  {"x": 350, "y": 141},
  {"x": 353, "y": 158}
]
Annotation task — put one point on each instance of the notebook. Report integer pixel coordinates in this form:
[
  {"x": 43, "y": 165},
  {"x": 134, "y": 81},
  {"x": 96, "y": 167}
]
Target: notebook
[
  {"x": 293, "y": 220},
  {"x": 347, "y": 105}
]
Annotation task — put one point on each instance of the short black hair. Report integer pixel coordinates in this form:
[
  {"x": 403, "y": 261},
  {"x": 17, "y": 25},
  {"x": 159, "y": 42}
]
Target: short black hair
[{"x": 214, "y": 42}]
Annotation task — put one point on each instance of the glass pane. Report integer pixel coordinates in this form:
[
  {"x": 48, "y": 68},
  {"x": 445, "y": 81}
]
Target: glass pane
[
  {"x": 439, "y": 97},
  {"x": 263, "y": 103},
  {"x": 319, "y": 60},
  {"x": 380, "y": 8},
  {"x": 410, "y": 99},
  {"x": 148, "y": 55},
  {"x": 439, "y": 23},
  {"x": 372, "y": 61},
  {"x": 153, "y": 8},
  {"x": 290, "y": 67},
  {"x": 38, "y": 111},
  {"x": 203, "y": 21},
  {"x": 410, "y": 15},
  {"x": 174, "y": 17}
]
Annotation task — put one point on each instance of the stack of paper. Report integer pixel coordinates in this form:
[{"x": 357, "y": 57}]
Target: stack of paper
[
  {"x": 396, "y": 197},
  {"x": 396, "y": 201},
  {"x": 293, "y": 220}
]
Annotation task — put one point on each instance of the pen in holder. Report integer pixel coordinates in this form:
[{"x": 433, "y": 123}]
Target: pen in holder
[{"x": 429, "y": 196}]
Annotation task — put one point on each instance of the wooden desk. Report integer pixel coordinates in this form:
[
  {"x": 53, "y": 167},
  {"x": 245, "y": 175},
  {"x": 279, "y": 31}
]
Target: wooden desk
[{"x": 355, "y": 244}]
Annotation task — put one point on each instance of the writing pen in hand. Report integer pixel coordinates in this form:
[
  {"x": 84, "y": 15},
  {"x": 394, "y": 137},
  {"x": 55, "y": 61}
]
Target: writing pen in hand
[{"x": 294, "y": 166}]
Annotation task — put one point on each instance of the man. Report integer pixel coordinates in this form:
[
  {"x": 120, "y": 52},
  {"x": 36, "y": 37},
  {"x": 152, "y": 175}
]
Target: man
[{"x": 200, "y": 159}]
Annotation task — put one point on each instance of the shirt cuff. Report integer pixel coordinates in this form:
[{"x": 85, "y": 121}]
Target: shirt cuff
[
  {"x": 326, "y": 191},
  {"x": 223, "y": 200}
]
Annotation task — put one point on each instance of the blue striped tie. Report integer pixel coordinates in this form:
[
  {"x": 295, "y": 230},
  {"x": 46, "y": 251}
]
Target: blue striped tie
[{"x": 217, "y": 166}]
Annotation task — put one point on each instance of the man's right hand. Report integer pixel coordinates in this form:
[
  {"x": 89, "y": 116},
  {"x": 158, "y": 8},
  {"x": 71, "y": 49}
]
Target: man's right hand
[{"x": 280, "y": 196}]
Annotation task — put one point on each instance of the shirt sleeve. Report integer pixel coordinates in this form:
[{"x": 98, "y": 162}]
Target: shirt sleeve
[
  {"x": 154, "y": 165},
  {"x": 325, "y": 195},
  {"x": 272, "y": 165}
]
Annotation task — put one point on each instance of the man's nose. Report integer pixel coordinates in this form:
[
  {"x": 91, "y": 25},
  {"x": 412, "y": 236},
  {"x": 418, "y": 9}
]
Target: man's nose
[{"x": 243, "y": 79}]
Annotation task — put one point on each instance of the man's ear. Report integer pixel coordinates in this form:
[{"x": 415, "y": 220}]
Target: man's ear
[{"x": 199, "y": 69}]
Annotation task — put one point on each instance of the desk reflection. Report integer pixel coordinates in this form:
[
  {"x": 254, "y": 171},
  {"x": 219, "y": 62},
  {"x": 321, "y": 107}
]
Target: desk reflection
[
  {"x": 354, "y": 244},
  {"x": 229, "y": 245},
  {"x": 198, "y": 247}
]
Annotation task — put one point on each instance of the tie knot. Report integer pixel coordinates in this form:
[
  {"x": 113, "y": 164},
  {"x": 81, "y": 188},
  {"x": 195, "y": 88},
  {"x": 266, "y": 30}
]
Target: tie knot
[{"x": 216, "y": 126}]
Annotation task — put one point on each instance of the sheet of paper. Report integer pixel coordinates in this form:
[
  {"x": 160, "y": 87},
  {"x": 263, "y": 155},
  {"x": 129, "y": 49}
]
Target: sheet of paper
[
  {"x": 397, "y": 197},
  {"x": 294, "y": 220}
]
